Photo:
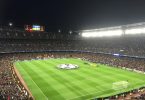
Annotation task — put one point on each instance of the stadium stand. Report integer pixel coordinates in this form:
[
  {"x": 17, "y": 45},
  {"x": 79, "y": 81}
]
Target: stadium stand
[
  {"x": 20, "y": 45},
  {"x": 124, "y": 45}
]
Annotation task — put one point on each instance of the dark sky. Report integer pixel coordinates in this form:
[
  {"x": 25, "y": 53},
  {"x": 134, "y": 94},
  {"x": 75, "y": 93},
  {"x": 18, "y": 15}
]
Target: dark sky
[{"x": 72, "y": 14}]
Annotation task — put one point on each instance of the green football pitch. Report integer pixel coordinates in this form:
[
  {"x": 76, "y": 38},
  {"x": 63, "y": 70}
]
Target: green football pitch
[{"x": 47, "y": 82}]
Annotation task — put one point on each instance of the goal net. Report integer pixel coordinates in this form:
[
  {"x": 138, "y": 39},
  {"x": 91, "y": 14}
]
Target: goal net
[{"x": 120, "y": 85}]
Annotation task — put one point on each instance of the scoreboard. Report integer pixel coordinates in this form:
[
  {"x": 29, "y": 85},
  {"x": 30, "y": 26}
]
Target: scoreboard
[{"x": 34, "y": 28}]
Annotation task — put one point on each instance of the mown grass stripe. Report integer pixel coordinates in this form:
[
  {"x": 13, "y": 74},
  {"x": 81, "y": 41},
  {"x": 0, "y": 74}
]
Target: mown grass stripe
[
  {"x": 31, "y": 81},
  {"x": 51, "y": 95},
  {"x": 45, "y": 71},
  {"x": 91, "y": 82},
  {"x": 66, "y": 82}
]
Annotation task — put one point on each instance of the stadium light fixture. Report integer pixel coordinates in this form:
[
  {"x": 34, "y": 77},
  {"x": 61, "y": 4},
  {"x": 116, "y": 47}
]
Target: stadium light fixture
[
  {"x": 135, "y": 31},
  {"x": 107, "y": 33},
  {"x": 10, "y": 24},
  {"x": 59, "y": 31},
  {"x": 70, "y": 32}
]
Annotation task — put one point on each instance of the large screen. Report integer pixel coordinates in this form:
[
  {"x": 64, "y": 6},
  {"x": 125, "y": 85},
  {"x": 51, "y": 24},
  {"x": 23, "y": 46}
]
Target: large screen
[
  {"x": 32, "y": 28},
  {"x": 36, "y": 28}
]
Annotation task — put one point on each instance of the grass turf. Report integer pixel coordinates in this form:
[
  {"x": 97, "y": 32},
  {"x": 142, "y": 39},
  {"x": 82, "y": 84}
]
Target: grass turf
[{"x": 46, "y": 82}]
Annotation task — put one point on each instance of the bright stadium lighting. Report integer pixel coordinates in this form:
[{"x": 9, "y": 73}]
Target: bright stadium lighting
[
  {"x": 59, "y": 31},
  {"x": 10, "y": 24},
  {"x": 70, "y": 32},
  {"x": 102, "y": 33},
  {"x": 135, "y": 31}
]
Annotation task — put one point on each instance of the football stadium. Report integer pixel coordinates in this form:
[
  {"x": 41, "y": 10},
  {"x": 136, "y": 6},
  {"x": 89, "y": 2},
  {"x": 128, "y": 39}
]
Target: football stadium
[
  {"x": 90, "y": 65},
  {"x": 48, "y": 53}
]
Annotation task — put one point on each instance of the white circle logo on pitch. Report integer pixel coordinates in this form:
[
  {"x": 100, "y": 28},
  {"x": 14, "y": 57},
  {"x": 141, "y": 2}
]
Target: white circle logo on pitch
[{"x": 67, "y": 66}]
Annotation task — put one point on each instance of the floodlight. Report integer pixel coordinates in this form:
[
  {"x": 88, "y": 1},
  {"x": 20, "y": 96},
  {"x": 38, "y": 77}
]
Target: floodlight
[
  {"x": 135, "y": 31},
  {"x": 70, "y": 32},
  {"x": 106, "y": 33},
  {"x": 10, "y": 24},
  {"x": 59, "y": 31}
]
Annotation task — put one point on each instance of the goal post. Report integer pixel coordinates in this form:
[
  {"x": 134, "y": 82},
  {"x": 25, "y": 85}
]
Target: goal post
[{"x": 120, "y": 85}]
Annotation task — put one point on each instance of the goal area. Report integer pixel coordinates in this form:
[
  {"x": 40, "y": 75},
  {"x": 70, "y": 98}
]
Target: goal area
[{"x": 120, "y": 85}]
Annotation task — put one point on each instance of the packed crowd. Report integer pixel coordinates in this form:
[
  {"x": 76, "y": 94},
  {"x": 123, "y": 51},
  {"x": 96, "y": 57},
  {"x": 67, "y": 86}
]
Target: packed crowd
[
  {"x": 12, "y": 89},
  {"x": 132, "y": 46},
  {"x": 10, "y": 86},
  {"x": 17, "y": 33},
  {"x": 136, "y": 94},
  {"x": 14, "y": 40}
]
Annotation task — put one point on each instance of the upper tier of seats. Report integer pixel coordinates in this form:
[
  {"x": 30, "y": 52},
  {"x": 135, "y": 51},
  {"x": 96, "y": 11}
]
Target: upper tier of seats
[{"x": 14, "y": 40}]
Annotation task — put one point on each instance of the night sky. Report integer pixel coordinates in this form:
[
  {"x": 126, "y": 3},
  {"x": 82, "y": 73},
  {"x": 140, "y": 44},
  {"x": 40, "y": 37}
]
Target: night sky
[{"x": 72, "y": 14}]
